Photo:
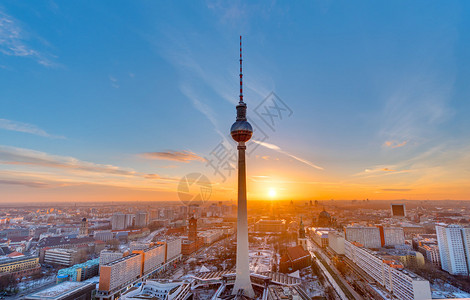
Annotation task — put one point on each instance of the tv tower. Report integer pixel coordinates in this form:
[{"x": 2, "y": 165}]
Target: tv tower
[{"x": 241, "y": 132}]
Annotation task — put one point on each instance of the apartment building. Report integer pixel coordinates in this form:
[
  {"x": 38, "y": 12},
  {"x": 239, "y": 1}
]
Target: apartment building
[
  {"x": 172, "y": 248},
  {"x": 392, "y": 236},
  {"x": 369, "y": 237},
  {"x": 107, "y": 256},
  {"x": 120, "y": 272},
  {"x": 336, "y": 242},
  {"x": 152, "y": 258},
  {"x": 454, "y": 248},
  {"x": 388, "y": 273}
]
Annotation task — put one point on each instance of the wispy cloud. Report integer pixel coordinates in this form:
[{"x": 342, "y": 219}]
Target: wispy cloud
[
  {"x": 418, "y": 103},
  {"x": 26, "y": 128},
  {"x": 201, "y": 107},
  {"x": 20, "y": 156},
  {"x": 381, "y": 170},
  {"x": 278, "y": 149},
  {"x": 181, "y": 156},
  {"x": 33, "y": 184},
  {"x": 13, "y": 41},
  {"x": 395, "y": 144},
  {"x": 114, "y": 82},
  {"x": 396, "y": 190},
  {"x": 188, "y": 55},
  {"x": 239, "y": 14},
  {"x": 42, "y": 170}
]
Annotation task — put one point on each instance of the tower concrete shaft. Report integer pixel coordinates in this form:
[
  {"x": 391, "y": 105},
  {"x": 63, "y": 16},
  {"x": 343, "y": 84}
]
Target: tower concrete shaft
[{"x": 242, "y": 279}]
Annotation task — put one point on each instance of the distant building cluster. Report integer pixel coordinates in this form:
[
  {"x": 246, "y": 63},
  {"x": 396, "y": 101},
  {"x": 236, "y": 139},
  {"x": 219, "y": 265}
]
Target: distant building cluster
[{"x": 120, "y": 221}]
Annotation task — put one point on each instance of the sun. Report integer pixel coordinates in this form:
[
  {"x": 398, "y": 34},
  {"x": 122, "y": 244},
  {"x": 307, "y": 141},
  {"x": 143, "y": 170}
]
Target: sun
[{"x": 272, "y": 193}]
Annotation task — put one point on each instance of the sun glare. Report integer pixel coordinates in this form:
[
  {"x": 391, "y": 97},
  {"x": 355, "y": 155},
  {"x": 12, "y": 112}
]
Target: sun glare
[{"x": 272, "y": 193}]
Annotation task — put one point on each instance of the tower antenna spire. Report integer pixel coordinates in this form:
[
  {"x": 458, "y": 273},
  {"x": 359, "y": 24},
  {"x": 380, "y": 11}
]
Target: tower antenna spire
[{"x": 241, "y": 72}]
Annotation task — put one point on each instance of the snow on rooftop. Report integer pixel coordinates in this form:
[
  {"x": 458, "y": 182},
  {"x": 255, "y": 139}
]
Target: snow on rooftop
[{"x": 58, "y": 289}]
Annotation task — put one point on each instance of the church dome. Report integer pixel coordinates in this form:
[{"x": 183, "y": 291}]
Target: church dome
[{"x": 324, "y": 214}]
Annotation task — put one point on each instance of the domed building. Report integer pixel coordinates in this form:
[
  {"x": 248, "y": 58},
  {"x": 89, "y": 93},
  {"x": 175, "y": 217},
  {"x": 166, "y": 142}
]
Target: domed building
[{"x": 324, "y": 219}]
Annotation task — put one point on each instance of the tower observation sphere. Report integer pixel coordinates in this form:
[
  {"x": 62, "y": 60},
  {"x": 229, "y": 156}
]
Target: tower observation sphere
[{"x": 241, "y": 131}]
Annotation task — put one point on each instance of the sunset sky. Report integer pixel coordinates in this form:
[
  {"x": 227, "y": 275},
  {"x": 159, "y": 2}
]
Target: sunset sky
[{"x": 118, "y": 100}]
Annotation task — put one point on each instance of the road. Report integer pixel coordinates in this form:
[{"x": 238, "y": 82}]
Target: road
[
  {"x": 312, "y": 248},
  {"x": 339, "y": 276},
  {"x": 149, "y": 238}
]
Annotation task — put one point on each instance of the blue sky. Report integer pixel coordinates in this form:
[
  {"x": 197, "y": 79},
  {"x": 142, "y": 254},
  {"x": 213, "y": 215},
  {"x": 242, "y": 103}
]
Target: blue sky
[{"x": 379, "y": 94}]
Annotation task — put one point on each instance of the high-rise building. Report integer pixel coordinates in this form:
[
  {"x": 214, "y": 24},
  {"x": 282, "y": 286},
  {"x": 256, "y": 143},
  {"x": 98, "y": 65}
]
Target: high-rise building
[
  {"x": 120, "y": 272},
  {"x": 454, "y": 248},
  {"x": 130, "y": 220},
  {"x": 375, "y": 236},
  {"x": 336, "y": 242},
  {"x": 398, "y": 210},
  {"x": 172, "y": 248},
  {"x": 118, "y": 221},
  {"x": 141, "y": 219},
  {"x": 392, "y": 236},
  {"x": 388, "y": 273},
  {"x": 241, "y": 132},
  {"x": 369, "y": 237},
  {"x": 107, "y": 256},
  {"x": 152, "y": 258}
]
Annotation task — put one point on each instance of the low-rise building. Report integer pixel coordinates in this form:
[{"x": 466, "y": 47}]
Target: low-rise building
[
  {"x": 67, "y": 290},
  {"x": 271, "y": 226},
  {"x": 79, "y": 272},
  {"x": 62, "y": 257},
  {"x": 158, "y": 290},
  {"x": 103, "y": 235},
  {"x": 211, "y": 236},
  {"x": 19, "y": 265},
  {"x": 294, "y": 259},
  {"x": 431, "y": 254}
]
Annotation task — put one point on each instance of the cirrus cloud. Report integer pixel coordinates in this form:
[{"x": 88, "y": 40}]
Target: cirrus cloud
[
  {"x": 181, "y": 156},
  {"x": 26, "y": 128}
]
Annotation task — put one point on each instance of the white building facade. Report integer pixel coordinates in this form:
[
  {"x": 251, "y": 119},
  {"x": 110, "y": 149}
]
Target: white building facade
[
  {"x": 390, "y": 274},
  {"x": 454, "y": 250}
]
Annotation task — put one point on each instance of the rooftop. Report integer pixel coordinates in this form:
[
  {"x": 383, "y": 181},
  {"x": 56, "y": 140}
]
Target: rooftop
[{"x": 59, "y": 291}]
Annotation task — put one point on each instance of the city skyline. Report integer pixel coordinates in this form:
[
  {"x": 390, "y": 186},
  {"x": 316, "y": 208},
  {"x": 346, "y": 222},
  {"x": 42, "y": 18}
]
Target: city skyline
[{"x": 117, "y": 103}]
